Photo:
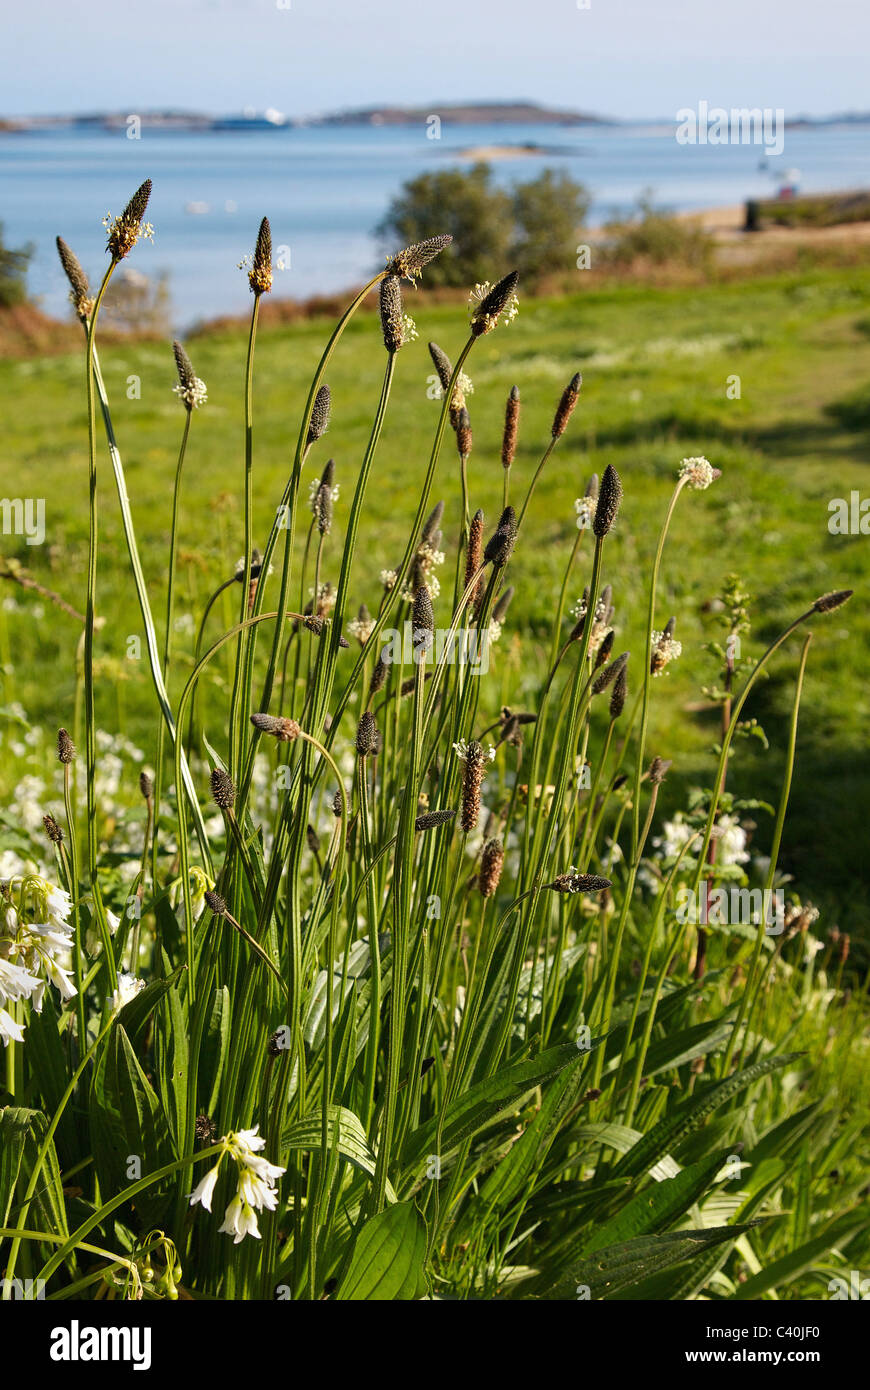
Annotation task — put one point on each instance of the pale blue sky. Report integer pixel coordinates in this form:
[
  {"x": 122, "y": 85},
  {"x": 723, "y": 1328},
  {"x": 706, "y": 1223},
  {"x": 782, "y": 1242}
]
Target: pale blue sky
[{"x": 627, "y": 58}]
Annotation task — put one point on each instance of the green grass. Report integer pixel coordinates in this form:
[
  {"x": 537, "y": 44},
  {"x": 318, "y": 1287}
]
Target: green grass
[
  {"x": 656, "y": 364},
  {"x": 552, "y": 1038}
]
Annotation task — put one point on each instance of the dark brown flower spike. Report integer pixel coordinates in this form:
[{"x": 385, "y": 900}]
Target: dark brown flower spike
[
  {"x": 432, "y": 522},
  {"x": 223, "y": 789},
  {"x": 146, "y": 786},
  {"x": 573, "y": 882},
  {"x": 475, "y": 766},
  {"x": 52, "y": 829},
  {"x": 260, "y": 274},
  {"x": 828, "y": 602},
  {"x": 379, "y": 676},
  {"x": 432, "y": 819},
  {"x": 463, "y": 434},
  {"x": 500, "y": 546},
  {"x": 423, "y": 620},
  {"x": 443, "y": 365},
  {"x": 605, "y": 649},
  {"x": 619, "y": 694},
  {"x": 658, "y": 770},
  {"x": 474, "y": 554},
  {"x": 66, "y": 749},
  {"x": 392, "y": 314},
  {"x": 410, "y": 262},
  {"x": 491, "y": 865},
  {"x": 444, "y": 368},
  {"x": 366, "y": 735},
  {"x": 284, "y": 730},
  {"x": 511, "y": 427},
  {"x": 126, "y": 230},
  {"x": 323, "y": 500},
  {"x": 190, "y": 389},
  {"x": 609, "y": 498},
  {"x": 565, "y": 408},
  {"x": 501, "y": 297},
  {"x": 609, "y": 674},
  {"x": 80, "y": 290},
  {"x": 320, "y": 410}
]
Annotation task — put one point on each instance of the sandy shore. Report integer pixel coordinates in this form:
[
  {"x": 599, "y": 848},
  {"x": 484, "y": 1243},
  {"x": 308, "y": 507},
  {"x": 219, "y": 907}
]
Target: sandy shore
[
  {"x": 490, "y": 152},
  {"x": 726, "y": 224}
]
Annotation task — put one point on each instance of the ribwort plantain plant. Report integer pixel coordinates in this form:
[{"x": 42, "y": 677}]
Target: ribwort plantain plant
[{"x": 406, "y": 1008}]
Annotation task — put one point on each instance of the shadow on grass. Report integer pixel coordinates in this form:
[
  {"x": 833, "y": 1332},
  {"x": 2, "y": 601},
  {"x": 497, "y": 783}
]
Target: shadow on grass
[
  {"x": 786, "y": 438},
  {"x": 824, "y": 845}
]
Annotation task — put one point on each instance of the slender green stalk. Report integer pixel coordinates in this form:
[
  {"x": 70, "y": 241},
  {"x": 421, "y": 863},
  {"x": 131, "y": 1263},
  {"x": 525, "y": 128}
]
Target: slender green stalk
[{"x": 748, "y": 997}]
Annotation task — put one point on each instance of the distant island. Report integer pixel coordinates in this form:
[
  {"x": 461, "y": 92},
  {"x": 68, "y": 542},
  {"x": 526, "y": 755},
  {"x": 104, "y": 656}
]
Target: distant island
[
  {"x": 470, "y": 113},
  {"x": 464, "y": 113}
]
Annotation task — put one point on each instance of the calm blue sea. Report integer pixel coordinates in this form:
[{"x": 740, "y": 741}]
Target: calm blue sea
[{"x": 324, "y": 189}]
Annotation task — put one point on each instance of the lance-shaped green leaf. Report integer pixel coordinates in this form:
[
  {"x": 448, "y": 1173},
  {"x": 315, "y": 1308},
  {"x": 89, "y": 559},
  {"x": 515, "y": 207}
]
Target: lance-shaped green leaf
[
  {"x": 388, "y": 1259},
  {"x": 692, "y": 1113},
  {"x": 782, "y": 1271},
  {"x": 353, "y": 1145},
  {"x": 482, "y": 1103},
  {"x": 618, "y": 1268}
]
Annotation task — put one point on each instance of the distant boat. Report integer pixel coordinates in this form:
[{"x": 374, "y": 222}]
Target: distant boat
[{"x": 250, "y": 120}]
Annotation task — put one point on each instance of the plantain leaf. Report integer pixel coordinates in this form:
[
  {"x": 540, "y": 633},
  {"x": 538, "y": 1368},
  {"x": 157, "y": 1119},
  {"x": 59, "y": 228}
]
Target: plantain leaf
[
  {"x": 171, "y": 1053},
  {"x": 485, "y": 1101},
  {"x": 690, "y": 1114},
  {"x": 15, "y": 1123},
  {"x": 659, "y": 1205},
  {"x": 353, "y": 1145},
  {"x": 49, "y": 1064},
  {"x": 623, "y": 1266},
  {"x": 388, "y": 1258},
  {"x": 134, "y": 1016},
  {"x": 129, "y": 1130},
  {"x": 214, "y": 1048},
  {"x": 797, "y": 1262},
  {"x": 22, "y": 1133},
  {"x": 514, "y": 1174},
  {"x": 697, "y": 1041}
]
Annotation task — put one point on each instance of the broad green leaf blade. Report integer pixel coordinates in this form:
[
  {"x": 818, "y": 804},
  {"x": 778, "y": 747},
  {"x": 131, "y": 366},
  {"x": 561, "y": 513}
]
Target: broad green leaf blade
[
  {"x": 353, "y": 1145},
  {"x": 49, "y": 1063},
  {"x": 15, "y": 1122},
  {"x": 658, "y": 1205},
  {"x": 21, "y": 1136},
  {"x": 612, "y": 1271},
  {"x": 685, "y": 1046},
  {"x": 483, "y": 1102},
  {"x": 797, "y": 1262},
  {"x": 514, "y": 1174},
  {"x": 388, "y": 1258},
  {"x": 135, "y": 1015},
  {"x": 214, "y": 1048},
  {"x": 171, "y": 1050},
  {"x": 690, "y": 1114}
]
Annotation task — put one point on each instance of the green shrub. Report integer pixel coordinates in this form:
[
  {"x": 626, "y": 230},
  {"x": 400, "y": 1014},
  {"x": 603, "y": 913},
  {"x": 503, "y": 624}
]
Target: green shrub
[
  {"x": 533, "y": 227},
  {"x": 13, "y": 272},
  {"x": 652, "y": 235},
  {"x": 464, "y": 203}
]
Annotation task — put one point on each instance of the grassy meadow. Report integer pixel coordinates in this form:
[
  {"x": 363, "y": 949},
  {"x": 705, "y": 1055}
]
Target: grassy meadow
[
  {"x": 389, "y": 960},
  {"x": 658, "y": 368}
]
